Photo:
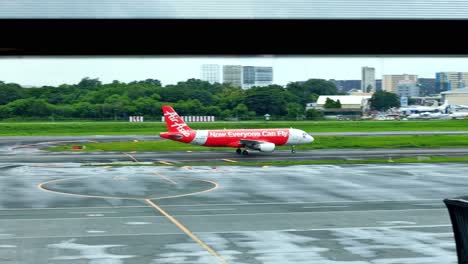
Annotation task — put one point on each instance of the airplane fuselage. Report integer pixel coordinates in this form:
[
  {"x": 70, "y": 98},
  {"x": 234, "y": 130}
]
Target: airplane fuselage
[
  {"x": 264, "y": 140},
  {"x": 233, "y": 137}
]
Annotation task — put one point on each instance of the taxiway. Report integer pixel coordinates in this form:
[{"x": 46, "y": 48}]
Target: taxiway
[
  {"x": 356, "y": 214},
  {"x": 54, "y": 210}
]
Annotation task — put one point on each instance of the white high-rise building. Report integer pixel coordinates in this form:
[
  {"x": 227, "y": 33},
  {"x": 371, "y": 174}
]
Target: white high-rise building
[
  {"x": 233, "y": 74},
  {"x": 368, "y": 80},
  {"x": 211, "y": 73}
]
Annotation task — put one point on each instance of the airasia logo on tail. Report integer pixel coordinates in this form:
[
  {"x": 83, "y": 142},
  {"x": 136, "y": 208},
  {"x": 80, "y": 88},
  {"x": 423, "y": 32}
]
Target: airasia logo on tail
[{"x": 174, "y": 124}]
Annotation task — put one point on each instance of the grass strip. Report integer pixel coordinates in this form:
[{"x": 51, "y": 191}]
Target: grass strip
[
  {"x": 321, "y": 142},
  {"x": 153, "y": 128}
]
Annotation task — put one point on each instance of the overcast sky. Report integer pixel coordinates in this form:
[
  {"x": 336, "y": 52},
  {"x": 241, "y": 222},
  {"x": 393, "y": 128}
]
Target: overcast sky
[{"x": 39, "y": 71}]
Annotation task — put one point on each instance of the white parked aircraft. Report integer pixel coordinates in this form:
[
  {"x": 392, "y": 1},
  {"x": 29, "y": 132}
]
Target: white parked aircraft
[
  {"x": 445, "y": 111},
  {"x": 459, "y": 115},
  {"x": 428, "y": 115}
]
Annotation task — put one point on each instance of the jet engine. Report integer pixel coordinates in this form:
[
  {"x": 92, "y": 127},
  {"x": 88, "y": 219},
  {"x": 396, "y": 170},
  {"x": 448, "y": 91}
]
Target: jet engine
[{"x": 265, "y": 147}]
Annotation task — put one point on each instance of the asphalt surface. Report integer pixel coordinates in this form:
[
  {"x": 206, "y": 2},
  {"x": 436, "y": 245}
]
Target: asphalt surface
[
  {"x": 28, "y": 150},
  {"x": 53, "y": 210},
  {"x": 223, "y": 156},
  {"x": 357, "y": 214}
]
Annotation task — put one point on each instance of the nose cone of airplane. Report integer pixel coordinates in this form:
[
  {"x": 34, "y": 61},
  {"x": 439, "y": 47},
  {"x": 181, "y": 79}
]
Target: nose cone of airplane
[{"x": 310, "y": 139}]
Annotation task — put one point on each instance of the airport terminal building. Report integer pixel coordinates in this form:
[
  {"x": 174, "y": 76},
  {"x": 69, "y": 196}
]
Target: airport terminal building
[
  {"x": 351, "y": 105},
  {"x": 456, "y": 97}
]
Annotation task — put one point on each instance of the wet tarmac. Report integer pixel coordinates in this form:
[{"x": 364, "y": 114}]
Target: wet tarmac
[
  {"x": 30, "y": 150},
  {"x": 382, "y": 214},
  {"x": 33, "y": 155}
]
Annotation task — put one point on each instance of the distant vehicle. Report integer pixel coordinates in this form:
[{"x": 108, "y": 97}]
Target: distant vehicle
[{"x": 264, "y": 140}]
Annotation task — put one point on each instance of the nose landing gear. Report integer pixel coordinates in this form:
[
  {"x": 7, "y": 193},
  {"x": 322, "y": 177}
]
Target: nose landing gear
[{"x": 293, "y": 149}]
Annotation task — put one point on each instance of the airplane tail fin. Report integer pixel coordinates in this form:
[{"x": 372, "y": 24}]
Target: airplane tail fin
[{"x": 175, "y": 124}]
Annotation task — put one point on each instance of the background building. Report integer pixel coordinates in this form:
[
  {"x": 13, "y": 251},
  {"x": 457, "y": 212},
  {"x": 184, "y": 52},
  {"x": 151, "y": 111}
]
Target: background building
[
  {"x": 232, "y": 74},
  {"x": 451, "y": 80},
  {"x": 347, "y": 101},
  {"x": 368, "y": 80},
  {"x": 263, "y": 76},
  {"x": 427, "y": 86},
  {"x": 378, "y": 85},
  {"x": 256, "y": 76},
  {"x": 352, "y": 106},
  {"x": 456, "y": 97},
  {"x": 346, "y": 85},
  {"x": 211, "y": 73},
  {"x": 390, "y": 82},
  {"x": 407, "y": 89},
  {"x": 248, "y": 77}
]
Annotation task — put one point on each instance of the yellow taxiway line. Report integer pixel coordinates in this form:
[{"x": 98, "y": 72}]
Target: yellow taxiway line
[
  {"x": 165, "y": 178},
  {"x": 164, "y": 162},
  {"x": 228, "y": 160},
  {"x": 41, "y": 187},
  {"x": 130, "y": 156},
  {"x": 187, "y": 232},
  {"x": 151, "y": 203}
]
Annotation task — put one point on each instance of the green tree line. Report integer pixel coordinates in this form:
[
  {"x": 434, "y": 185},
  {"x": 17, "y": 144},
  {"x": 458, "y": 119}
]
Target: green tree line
[{"x": 91, "y": 99}]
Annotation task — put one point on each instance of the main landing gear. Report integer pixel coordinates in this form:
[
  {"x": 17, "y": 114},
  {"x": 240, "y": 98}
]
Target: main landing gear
[
  {"x": 239, "y": 151},
  {"x": 293, "y": 149}
]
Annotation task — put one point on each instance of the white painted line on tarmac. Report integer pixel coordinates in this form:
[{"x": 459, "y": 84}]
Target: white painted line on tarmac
[
  {"x": 324, "y": 202},
  {"x": 93, "y": 212},
  {"x": 217, "y": 215},
  {"x": 138, "y": 223},
  {"x": 328, "y": 212},
  {"x": 220, "y": 209},
  {"x": 330, "y": 206},
  {"x": 333, "y": 229},
  {"x": 240, "y": 231},
  {"x": 81, "y": 218},
  {"x": 95, "y": 231},
  {"x": 68, "y": 208}
]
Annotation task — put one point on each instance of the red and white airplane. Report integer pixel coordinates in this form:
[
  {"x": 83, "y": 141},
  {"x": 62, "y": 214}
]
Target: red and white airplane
[{"x": 263, "y": 140}]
